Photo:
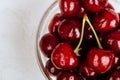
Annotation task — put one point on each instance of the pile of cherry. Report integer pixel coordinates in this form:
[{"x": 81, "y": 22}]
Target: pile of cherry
[{"x": 83, "y": 42}]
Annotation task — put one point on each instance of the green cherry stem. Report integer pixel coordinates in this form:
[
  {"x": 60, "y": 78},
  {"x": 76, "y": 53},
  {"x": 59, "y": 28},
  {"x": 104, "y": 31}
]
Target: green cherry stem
[
  {"x": 94, "y": 32},
  {"x": 81, "y": 37},
  {"x": 86, "y": 19}
]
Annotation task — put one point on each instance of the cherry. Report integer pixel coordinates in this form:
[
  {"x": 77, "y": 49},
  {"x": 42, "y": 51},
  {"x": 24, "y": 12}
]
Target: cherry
[
  {"x": 100, "y": 60},
  {"x": 47, "y": 43},
  {"x": 69, "y": 7},
  {"x": 113, "y": 40},
  {"x": 51, "y": 68},
  {"x": 117, "y": 60},
  {"x": 95, "y": 5},
  {"x": 69, "y": 30},
  {"x": 81, "y": 12},
  {"x": 106, "y": 20},
  {"x": 56, "y": 20},
  {"x": 110, "y": 6},
  {"x": 63, "y": 57},
  {"x": 115, "y": 75},
  {"x": 86, "y": 71},
  {"x": 68, "y": 76}
]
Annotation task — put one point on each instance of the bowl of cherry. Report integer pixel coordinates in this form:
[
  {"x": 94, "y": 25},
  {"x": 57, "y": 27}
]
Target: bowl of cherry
[{"x": 80, "y": 40}]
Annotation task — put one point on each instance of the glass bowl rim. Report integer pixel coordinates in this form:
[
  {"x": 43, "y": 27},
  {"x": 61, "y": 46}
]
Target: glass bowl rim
[{"x": 39, "y": 60}]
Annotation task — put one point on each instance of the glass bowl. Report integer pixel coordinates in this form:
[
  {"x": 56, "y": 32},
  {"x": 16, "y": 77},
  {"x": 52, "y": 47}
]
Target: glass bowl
[{"x": 43, "y": 28}]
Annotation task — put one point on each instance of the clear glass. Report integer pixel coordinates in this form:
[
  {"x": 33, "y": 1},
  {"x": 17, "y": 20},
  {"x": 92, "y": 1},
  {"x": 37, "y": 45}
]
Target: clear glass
[{"x": 43, "y": 28}]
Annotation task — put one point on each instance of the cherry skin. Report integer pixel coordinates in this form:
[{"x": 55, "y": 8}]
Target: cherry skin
[
  {"x": 117, "y": 60},
  {"x": 47, "y": 44},
  {"x": 95, "y": 5},
  {"x": 69, "y": 30},
  {"x": 109, "y": 6},
  {"x": 81, "y": 12},
  {"x": 69, "y": 7},
  {"x": 54, "y": 23},
  {"x": 86, "y": 71},
  {"x": 100, "y": 60},
  {"x": 113, "y": 40},
  {"x": 51, "y": 68},
  {"x": 63, "y": 57},
  {"x": 106, "y": 21},
  {"x": 68, "y": 76}
]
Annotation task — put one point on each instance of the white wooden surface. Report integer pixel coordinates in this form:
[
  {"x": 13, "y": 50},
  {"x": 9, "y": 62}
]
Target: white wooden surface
[{"x": 19, "y": 20}]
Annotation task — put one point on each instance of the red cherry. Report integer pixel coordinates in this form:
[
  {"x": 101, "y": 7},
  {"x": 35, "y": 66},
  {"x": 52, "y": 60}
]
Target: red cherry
[
  {"x": 113, "y": 40},
  {"x": 56, "y": 20},
  {"x": 68, "y": 76},
  {"x": 63, "y": 57},
  {"x": 110, "y": 6},
  {"x": 100, "y": 60},
  {"x": 81, "y": 12},
  {"x": 117, "y": 60},
  {"x": 69, "y": 30},
  {"x": 106, "y": 20},
  {"x": 47, "y": 44},
  {"x": 86, "y": 71},
  {"x": 95, "y": 5},
  {"x": 51, "y": 68},
  {"x": 69, "y": 7}
]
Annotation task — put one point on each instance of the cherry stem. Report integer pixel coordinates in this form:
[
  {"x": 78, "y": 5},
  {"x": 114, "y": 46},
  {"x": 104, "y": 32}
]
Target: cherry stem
[
  {"x": 81, "y": 37},
  {"x": 86, "y": 19},
  {"x": 93, "y": 30}
]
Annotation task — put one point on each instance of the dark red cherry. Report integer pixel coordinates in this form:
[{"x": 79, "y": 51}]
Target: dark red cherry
[
  {"x": 86, "y": 71},
  {"x": 47, "y": 44},
  {"x": 115, "y": 75},
  {"x": 54, "y": 23},
  {"x": 70, "y": 30},
  {"x": 106, "y": 20},
  {"x": 81, "y": 12},
  {"x": 109, "y": 6},
  {"x": 51, "y": 69},
  {"x": 63, "y": 57},
  {"x": 95, "y": 5},
  {"x": 100, "y": 60},
  {"x": 69, "y": 7},
  {"x": 117, "y": 60},
  {"x": 68, "y": 76},
  {"x": 113, "y": 40}
]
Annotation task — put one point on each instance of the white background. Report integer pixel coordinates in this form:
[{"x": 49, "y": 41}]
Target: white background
[{"x": 19, "y": 20}]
